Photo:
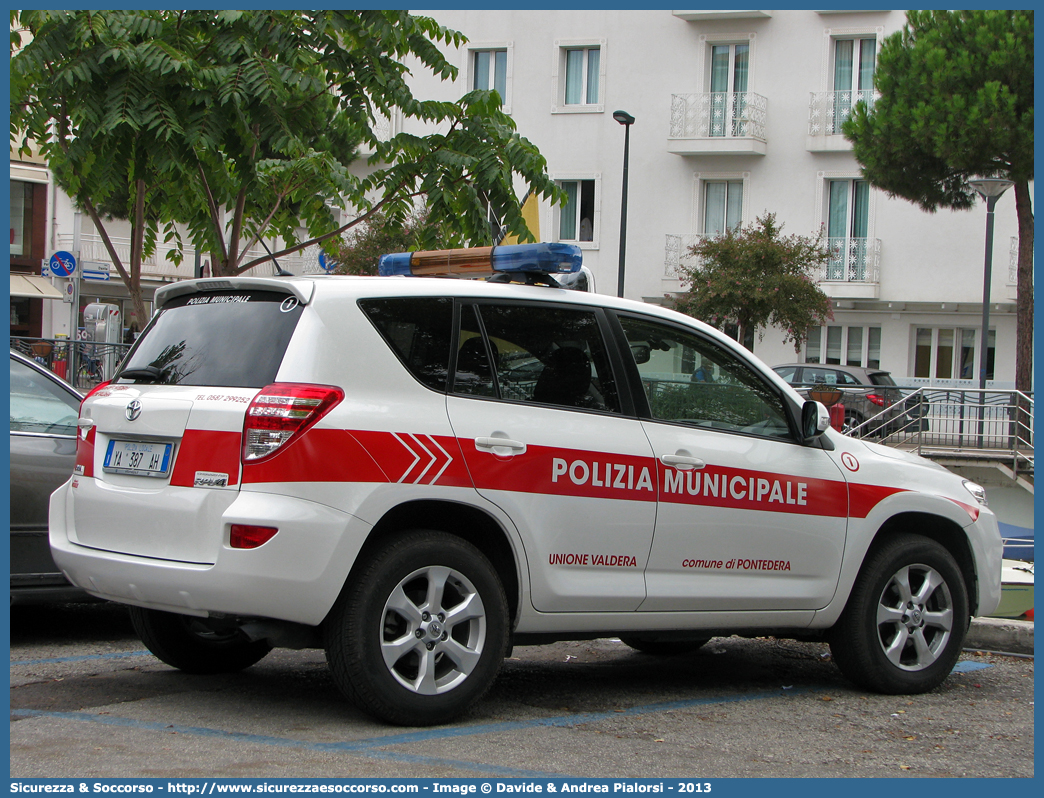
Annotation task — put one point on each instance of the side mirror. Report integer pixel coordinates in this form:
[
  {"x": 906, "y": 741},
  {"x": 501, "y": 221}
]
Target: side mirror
[{"x": 815, "y": 420}]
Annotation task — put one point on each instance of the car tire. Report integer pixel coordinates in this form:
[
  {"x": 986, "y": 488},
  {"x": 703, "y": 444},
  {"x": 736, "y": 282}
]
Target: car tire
[
  {"x": 663, "y": 648},
  {"x": 193, "y": 645},
  {"x": 419, "y": 631},
  {"x": 906, "y": 618}
]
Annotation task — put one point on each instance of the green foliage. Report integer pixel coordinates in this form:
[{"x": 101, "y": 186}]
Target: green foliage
[
  {"x": 956, "y": 101},
  {"x": 360, "y": 250},
  {"x": 754, "y": 277},
  {"x": 243, "y": 124}
]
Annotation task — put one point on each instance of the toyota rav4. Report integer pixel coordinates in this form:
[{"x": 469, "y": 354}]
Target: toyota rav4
[{"x": 416, "y": 474}]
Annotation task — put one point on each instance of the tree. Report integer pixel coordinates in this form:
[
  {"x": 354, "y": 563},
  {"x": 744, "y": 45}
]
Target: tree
[
  {"x": 956, "y": 102},
  {"x": 754, "y": 277},
  {"x": 241, "y": 125},
  {"x": 359, "y": 251}
]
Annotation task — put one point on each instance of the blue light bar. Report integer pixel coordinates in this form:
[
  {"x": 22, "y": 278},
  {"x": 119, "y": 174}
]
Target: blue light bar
[
  {"x": 544, "y": 258},
  {"x": 396, "y": 264}
]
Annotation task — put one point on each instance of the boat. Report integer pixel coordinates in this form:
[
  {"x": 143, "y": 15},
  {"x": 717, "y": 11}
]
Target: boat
[{"x": 1016, "y": 590}]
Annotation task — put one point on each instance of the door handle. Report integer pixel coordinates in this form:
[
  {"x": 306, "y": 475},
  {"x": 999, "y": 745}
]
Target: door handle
[
  {"x": 683, "y": 462},
  {"x": 500, "y": 446}
]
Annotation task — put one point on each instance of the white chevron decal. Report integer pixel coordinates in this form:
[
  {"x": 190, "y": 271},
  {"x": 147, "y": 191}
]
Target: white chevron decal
[{"x": 427, "y": 451}]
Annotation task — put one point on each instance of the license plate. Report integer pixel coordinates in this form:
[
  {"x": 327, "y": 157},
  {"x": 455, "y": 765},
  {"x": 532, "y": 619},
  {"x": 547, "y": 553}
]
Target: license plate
[{"x": 139, "y": 458}]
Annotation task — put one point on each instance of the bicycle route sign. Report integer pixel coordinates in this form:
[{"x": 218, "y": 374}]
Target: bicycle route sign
[{"x": 62, "y": 264}]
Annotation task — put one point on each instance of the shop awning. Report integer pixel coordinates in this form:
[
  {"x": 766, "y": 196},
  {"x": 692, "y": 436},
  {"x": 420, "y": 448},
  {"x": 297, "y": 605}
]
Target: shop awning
[{"x": 33, "y": 286}]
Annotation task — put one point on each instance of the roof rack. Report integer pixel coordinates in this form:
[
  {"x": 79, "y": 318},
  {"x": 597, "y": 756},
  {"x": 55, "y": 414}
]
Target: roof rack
[{"x": 530, "y": 263}]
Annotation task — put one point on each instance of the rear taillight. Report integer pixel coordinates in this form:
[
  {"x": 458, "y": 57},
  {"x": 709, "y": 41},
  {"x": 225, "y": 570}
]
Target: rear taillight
[
  {"x": 281, "y": 412},
  {"x": 247, "y": 536},
  {"x": 876, "y": 398}
]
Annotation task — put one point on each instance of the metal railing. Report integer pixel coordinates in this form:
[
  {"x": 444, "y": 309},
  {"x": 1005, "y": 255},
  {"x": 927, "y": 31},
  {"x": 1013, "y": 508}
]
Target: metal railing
[
  {"x": 989, "y": 424},
  {"x": 852, "y": 260},
  {"x": 678, "y": 253},
  {"x": 718, "y": 114},
  {"x": 828, "y": 110},
  {"x": 95, "y": 362}
]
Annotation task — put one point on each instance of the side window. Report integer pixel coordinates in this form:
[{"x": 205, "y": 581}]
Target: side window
[
  {"x": 540, "y": 355},
  {"x": 474, "y": 372},
  {"x": 40, "y": 405},
  {"x": 788, "y": 373},
  {"x": 418, "y": 330},
  {"x": 689, "y": 379}
]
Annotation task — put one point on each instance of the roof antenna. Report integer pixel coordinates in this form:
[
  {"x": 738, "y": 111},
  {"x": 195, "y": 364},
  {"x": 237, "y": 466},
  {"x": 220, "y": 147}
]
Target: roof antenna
[{"x": 279, "y": 270}]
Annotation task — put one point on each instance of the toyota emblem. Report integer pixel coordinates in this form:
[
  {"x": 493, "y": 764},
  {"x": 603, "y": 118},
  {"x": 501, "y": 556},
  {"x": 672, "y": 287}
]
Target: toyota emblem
[{"x": 133, "y": 409}]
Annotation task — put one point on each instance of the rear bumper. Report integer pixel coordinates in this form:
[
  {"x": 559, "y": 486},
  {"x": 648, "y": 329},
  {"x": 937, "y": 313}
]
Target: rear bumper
[{"x": 296, "y": 576}]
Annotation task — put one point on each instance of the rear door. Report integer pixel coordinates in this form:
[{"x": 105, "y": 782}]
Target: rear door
[
  {"x": 160, "y": 447},
  {"x": 548, "y": 437}
]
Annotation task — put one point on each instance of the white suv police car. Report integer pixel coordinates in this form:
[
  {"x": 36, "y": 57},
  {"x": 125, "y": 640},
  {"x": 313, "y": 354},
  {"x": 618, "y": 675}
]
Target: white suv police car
[{"x": 417, "y": 474}]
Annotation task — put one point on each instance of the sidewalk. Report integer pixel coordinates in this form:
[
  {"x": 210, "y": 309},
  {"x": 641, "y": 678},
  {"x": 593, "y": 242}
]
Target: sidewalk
[{"x": 1001, "y": 634}]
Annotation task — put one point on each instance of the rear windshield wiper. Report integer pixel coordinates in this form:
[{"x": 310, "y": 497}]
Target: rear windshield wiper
[{"x": 150, "y": 373}]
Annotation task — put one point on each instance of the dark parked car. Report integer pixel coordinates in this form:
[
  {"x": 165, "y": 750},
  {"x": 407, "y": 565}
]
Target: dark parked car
[
  {"x": 44, "y": 412},
  {"x": 865, "y": 393}
]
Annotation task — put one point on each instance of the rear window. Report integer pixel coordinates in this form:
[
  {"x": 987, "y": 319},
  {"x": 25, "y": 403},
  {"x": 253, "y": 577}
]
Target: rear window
[
  {"x": 234, "y": 339},
  {"x": 418, "y": 329},
  {"x": 882, "y": 378}
]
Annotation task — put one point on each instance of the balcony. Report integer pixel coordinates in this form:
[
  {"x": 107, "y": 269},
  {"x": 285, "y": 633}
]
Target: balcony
[
  {"x": 95, "y": 257},
  {"x": 1013, "y": 269},
  {"x": 854, "y": 269},
  {"x": 718, "y": 123},
  {"x": 827, "y": 112},
  {"x": 677, "y": 254}
]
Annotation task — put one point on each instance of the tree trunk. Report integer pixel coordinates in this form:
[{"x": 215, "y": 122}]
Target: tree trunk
[{"x": 1024, "y": 302}]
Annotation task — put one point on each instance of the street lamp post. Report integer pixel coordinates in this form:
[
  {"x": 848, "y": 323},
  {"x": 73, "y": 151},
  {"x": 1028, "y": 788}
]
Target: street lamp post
[
  {"x": 990, "y": 189},
  {"x": 626, "y": 120}
]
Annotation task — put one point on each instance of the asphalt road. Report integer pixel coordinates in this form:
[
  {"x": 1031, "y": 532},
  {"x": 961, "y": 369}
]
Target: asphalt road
[{"x": 88, "y": 701}]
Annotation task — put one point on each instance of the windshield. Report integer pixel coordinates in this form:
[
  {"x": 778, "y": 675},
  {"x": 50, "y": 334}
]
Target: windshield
[{"x": 231, "y": 338}]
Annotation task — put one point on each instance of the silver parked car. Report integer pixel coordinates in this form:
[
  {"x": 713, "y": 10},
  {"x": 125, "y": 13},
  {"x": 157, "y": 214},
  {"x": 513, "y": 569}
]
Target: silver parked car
[
  {"x": 866, "y": 393},
  {"x": 44, "y": 412}
]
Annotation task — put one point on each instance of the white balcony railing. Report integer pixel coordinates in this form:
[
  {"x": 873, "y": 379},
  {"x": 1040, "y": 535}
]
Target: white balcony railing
[
  {"x": 158, "y": 267},
  {"x": 828, "y": 110},
  {"x": 678, "y": 254},
  {"x": 718, "y": 114},
  {"x": 1013, "y": 261},
  {"x": 852, "y": 260}
]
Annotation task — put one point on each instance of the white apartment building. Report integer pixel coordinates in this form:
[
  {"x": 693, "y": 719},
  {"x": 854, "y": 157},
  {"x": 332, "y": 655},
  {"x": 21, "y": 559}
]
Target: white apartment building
[{"x": 737, "y": 114}]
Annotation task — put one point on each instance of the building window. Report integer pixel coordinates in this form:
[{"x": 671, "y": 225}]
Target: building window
[
  {"x": 848, "y": 223},
  {"x": 839, "y": 345},
  {"x": 578, "y": 76},
  {"x": 951, "y": 353},
  {"x": 581, "y": 84},
  {"x": 853, "y": 78},
  {"x": 28, "y": 212},
  {"x": 489, "y": 71},
  {"x": 576, "y": 217},
  {"x": 729, "y": 75},
  {"x": 21, "y": 217},
  {"x": 722, "y": 206}
]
